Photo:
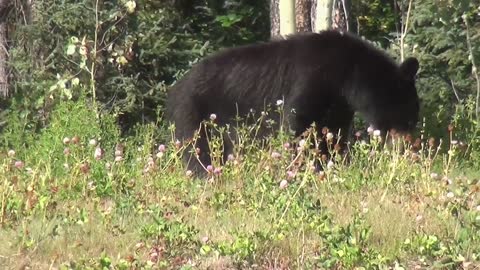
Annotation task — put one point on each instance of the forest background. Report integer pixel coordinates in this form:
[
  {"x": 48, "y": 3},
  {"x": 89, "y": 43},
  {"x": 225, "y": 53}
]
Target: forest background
[{"x": 86, "y": 156}]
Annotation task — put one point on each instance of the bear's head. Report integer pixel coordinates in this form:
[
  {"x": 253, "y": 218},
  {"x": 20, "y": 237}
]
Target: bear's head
[
  {"x": 401, "y": 107},
  {"x": 387, "y": 98}
]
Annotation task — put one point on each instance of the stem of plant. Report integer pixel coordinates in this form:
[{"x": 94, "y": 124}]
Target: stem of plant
[
  {"x": 474, "y": 69},
  {"x": 404, "y": 32},
  {"x": 94, "y": 59}
]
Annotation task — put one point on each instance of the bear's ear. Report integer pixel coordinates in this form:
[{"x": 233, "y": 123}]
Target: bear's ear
[{"x": 409, "y": 67}]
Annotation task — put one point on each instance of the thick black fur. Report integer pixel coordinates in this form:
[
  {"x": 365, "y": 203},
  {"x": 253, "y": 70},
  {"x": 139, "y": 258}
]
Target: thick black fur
[{"x": 322, "y": 78}]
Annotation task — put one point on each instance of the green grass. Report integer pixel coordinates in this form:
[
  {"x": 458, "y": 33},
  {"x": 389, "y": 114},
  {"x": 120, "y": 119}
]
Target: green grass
[{"x": 384, "y": 208}]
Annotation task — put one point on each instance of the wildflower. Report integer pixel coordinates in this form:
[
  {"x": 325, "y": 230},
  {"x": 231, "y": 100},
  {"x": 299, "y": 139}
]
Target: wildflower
[
  {"x": 408, "y": 138},
  {"x": 84, "y": 168},
  {"x": 291, "y": 174},
  {"x": 370, "y": 130},
  {"x": 276, "y": 155},
  {"x": 98, "y": 153},
  {"x": 454, "y": 142},
  {"x": 188, "y": 173},
  {"x": 19, "y": 164},
  {"x": 337, "y": 147},
  {"x": 130, "y": 6},
  {"x": 66, "y": 140},
  {"x": 283, "y": 184},
  {"x": 286, "y": 146},
  {"x": 75, "y": 139},
  {"x": 197, "y": 151},
  {"x": 205, "y": 239},
  {"x": 431, "y": 142},
  {"x": 321, "y": 175},
  {"x": 325, "y": 130},
  {"x": 329, "y": 136},
  {"x": 330, "y": 164},
  {"x": 139, "y": 245},
  {"x": 83, "y": 50},
  {"x": 358, "y": 134},
  {"x": 161, "y": 148},
  {"x": 393, "y": 133},
  {"x": 279, "y": 102},
  {"x": 91, "y": 185},
  {"x": 450, "y": 195},
  {"x": 11, "y": 153},
  {"x": 230, "y": 157},
  {"x": 213, "y": 117},
  {"x": 210, "y": 168},
  {"x": 447, "y": 180},
  {"x": 435, "y": 176},
  {"x": 301, "y": 143},
  {"x": 376, "y": 133},
  {"x": 417, "y": 144},
  {"x": 159, "y": 154},
  {"x": 150, "y": 162},
  {"x": 419, "y": 218},
  {"x": 92, "y": 142},
  {"x": 178, "y": 144},
  {"x": 120, "y": 147},
  {"x": 118, "y": 158},
  {"x": 66, "y": 151},
  {"x": 217, "y": 171},
  {"x": 154, "y": 254}
]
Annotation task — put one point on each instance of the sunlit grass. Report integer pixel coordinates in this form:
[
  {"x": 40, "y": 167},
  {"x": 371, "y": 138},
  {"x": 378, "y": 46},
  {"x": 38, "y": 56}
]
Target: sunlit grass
[{"x": 131, "y": 203}]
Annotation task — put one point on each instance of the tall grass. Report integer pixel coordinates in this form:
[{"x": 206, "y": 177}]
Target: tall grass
[{"x": 78, "y": 195}]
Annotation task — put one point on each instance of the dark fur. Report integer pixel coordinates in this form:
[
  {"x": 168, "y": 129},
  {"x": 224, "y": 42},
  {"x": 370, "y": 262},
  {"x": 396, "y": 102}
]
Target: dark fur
[{"x": 324, "y": 77}]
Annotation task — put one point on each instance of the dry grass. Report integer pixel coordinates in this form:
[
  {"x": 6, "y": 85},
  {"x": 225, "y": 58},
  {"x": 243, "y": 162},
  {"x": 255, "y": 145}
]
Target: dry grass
[{"x": 46, "y": 242}]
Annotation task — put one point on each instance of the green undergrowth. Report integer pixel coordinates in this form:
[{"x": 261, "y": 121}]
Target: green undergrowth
[{"x": 79, "y": 196}]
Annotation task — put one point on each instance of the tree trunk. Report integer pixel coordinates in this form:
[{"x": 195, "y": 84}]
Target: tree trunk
[
  {"x": 282, "y": 18},
  {"x": 302, "y": 15},
  {"x": 274, "y": 18},
  {"x": 5, "y": 6},
  {"x": 340, "y": 13},
  {"x": 321, "y": 15},
  {"x": 309, "y": 15},
  {"x": 330, "y": 14},
  {"x": 287, "y": 17}
]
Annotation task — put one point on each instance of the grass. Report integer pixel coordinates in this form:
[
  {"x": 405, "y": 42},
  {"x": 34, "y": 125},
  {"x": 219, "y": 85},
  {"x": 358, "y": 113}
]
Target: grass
[{"x": 133, "y": 205}]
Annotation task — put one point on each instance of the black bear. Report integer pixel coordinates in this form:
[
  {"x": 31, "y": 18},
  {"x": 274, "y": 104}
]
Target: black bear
[{"x": 320, "y": 77}]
